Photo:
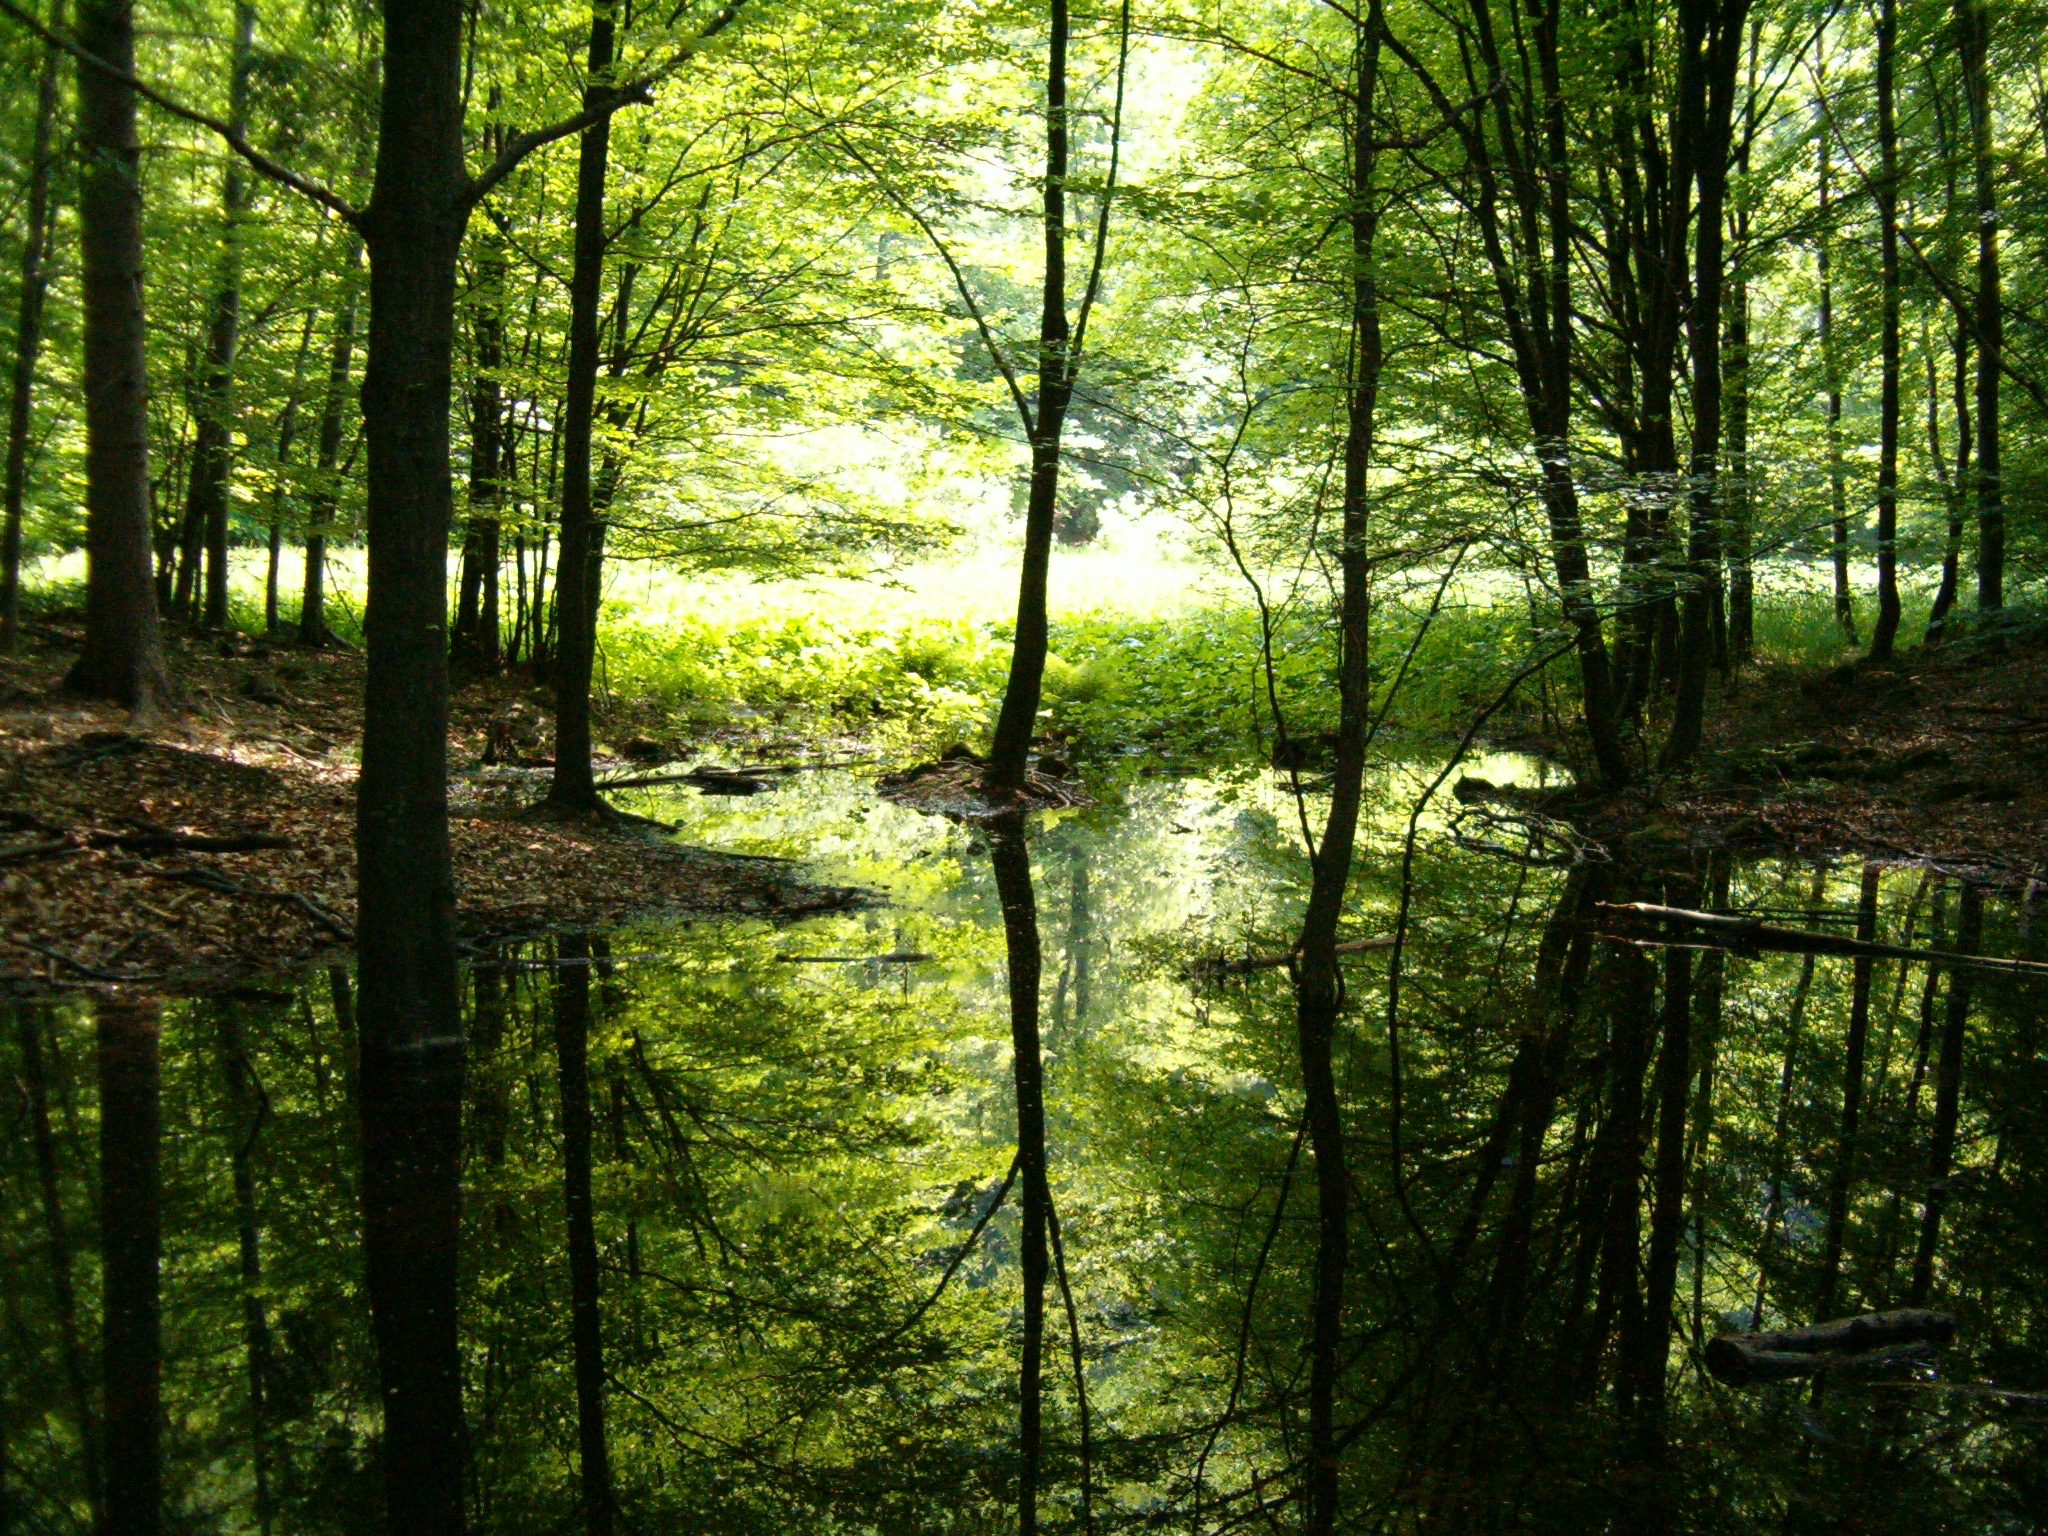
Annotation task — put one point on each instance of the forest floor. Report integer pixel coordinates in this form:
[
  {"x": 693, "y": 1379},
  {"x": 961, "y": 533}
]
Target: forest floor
[
  {"x": 116, "y": 844},
  {"x": 1941, "y": 757}
]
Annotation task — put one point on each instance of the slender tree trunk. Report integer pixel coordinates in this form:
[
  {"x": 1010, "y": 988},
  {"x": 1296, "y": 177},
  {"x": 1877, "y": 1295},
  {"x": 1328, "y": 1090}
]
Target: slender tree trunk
[
  {"x": 1618, "y": 1172},
  {"x": 1719, "y": 47},
  {"x": 1843, "y": 1182},
  {"x": 409, "y": 1008},
  {"x": 206, "y": 509},
  {"x": 247, "y": 1111},
  {"x": 131, "y": 1247},
  {"x": 1831, "y": 382},
  {"x": 1948, "y": 1087},
  {"x": 578, "y": 567},
  {"x": 1012, "y": 862},
  {"x": 57, "y": 1242},
  {"x": 28, "y": 335},
  {"x": 1781, "y": 1125},
  {"x": 474, "y": 644},
  {"x": 1741, "y": 536},
  {"x": 572, "y": 1057},
  {"x": 326, "y": 488},
  {"x": 287, "y": 432},
  {"x": 1318, "y": 984},
  {"x": 1884, "y": 633},
  {"x": 1973, "y": 19},
  {"x": 123, "y": 655},
  {"x": 1953, "y": 493},
  {"x": 1017, "y": 721}
]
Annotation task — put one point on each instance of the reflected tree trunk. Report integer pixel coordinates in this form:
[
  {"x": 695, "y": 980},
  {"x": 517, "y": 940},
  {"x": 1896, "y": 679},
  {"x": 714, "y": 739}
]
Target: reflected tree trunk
[
  {"x": 248, "y": 1109},
  {"x": 586, "y": 1324},
  {"x": 1781, "y": 1125},
  {"x": 1840, "y": 1185},
  {"x": 57, "y": 1245},
  {"x": 131, "y": 1249},
  {"x": 1948, "y": 1082},
  {"x": 1011, "y": 858}
]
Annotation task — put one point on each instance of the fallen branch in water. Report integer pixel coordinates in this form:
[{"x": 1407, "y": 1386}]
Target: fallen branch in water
[
  {"x": 1223, "y": 965},
  {"x": 898, "y": 957},
  {"x": 1746, "y": 936}
]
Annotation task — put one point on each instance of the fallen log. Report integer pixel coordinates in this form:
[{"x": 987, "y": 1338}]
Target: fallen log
[
  {"x": 167, "y": 841},
  {"x": 1747, "y": 936},
  {"x": 897, "y": 957},
  {"x": 1875, "y": 1341}
]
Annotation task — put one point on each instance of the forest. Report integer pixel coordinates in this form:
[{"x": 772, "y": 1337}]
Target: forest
[{"x": 970, "y": 766}]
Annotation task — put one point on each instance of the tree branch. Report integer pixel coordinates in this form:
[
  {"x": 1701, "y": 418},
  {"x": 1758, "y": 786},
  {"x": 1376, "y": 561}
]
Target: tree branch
[{"x": 284, "y": 175}]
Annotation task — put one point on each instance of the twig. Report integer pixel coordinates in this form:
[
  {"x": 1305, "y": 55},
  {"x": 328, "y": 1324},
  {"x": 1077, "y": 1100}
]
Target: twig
[{"x": 213, "y": 880}]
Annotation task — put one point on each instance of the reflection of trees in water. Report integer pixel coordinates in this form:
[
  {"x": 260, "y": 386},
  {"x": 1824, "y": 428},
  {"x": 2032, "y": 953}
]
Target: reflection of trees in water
[{"x": 813, "y": 1312}]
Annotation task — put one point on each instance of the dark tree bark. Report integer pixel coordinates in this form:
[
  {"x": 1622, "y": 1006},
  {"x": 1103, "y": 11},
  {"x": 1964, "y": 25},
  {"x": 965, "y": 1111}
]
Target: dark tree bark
[
  {"x": 28, "y": 336},
  {"x": 1738, "y": 496},
  {"x": 578, "y": 568},
  {"x": 1318, "y": 983},
  {"x": 1973, "y": 23},
  {"x": 1843, "y": 1181},
  {"x": 473, "y": 646},
  {"x": 57, "y": 1244},
  {"x": 1714, "y": 44},
  {"x": 1781, "y": 1125},
  {"x": 326, "y": 494},
  {"x": 1011, "y": 859},
  {"x": 206, "y": 507},
  {"x": 248, "y": 1108},
  {"x": 1673, "y": 1086},
  {"x": 572, "y": 1059},
  {"x": 1884, "y": 633},
  {"x": 123, "y": 655},
  {"x": 1617, "y": 1172},
  {"x": 409, "y": 1008},
  {"x": 1948, "y": 1088},
  {"x": 131, "y": 1247}
]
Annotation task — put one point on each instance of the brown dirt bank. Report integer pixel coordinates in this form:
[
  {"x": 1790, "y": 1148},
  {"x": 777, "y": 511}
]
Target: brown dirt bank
[{"x": 118, "y": 856}]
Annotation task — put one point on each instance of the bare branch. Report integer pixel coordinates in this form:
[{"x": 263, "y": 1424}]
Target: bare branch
[{"x": 284, "y": 175}]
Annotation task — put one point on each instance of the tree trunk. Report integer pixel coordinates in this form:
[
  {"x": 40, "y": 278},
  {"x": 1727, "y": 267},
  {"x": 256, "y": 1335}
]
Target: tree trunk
[
  {"x": 1774, "y": 1207},
  {"x": 1831, "y": 382},
  {"x": 57, "y": 1241},
  {"x": 247, "y": 1111},
  {"x": 1318, "y": 984},
  {"x": 1717, "y": 47},
  {"x": 1973, "y": 20},
  {"x": 326, "y": 487},
  {"x": 28, "y": 335},
  {"x": 131, "y": 1247},
  {"x": 123, "y": 655},
  {"x": 1740, "y": 502},
  {"x": 287, "y": 433},
  {"x": 409, "y": 1009},
  {"x": 1884, "y": 633},
  {"x": 206, "y": 508},
  {"x": 1953, "y": 494},
  {"x": 578, "y": 567},
  {"x": 572, "y": 1057},
  {"x": 1948, "y": 1085},
  {"x": 473, "y": 647},
  {"x": 1011, "y": 859},
  {"x": 1017, "y": 721},
  {"x": 1673, "y": 1086},
  {"x": 1852, "y": 1097}
]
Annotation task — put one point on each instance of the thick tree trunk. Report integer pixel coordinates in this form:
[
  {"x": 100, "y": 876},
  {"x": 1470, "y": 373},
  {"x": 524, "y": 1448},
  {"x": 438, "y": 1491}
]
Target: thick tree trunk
[
  {"x": 578, "y": 568},
  {"x": 1884, "y": 633},
  {"x": 131, "y": 1248},
  {"x": 409, "y": 1008},
  {"x": 1973, "y": 19},
  {"x": 123, "y": 655},
  {"x": 28, "y": 336},
  {"x": 572, "y": 1058},
  {"x": 1844, "y": 1178},
  {"x": 57, "y": 1243},
  {"x": 1948, "y": 1089},
  {"x": 326, "y": 487},
  {"x": 206, "y": 508},
  {"x": 1011, "y": 858}
]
